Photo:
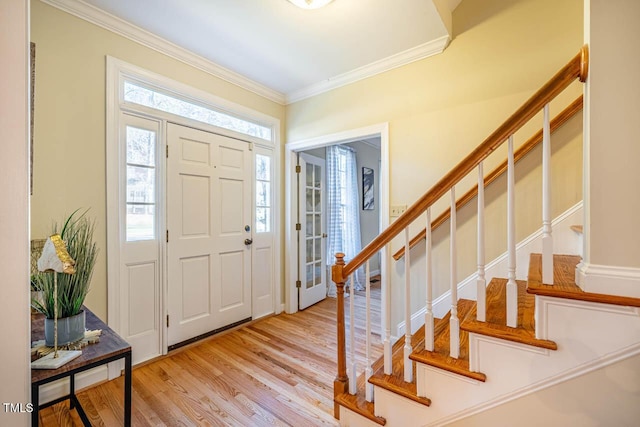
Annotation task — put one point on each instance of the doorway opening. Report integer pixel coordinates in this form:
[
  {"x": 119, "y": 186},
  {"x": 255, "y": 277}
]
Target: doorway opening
[{"x": 372, "y": 139}]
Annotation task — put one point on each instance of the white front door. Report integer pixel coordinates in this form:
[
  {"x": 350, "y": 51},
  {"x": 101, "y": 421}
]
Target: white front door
[
  {"x": 311, "y": 237},
  {"x": 209, "y": 232}
]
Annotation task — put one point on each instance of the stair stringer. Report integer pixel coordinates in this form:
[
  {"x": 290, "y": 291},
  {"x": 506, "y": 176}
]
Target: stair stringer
[{"x": 589, "y": 336}]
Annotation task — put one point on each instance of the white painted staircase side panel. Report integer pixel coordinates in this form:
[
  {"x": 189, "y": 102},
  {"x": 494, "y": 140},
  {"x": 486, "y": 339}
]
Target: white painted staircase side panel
[
  {"x": 587, "y": 335},
  {"x": 348, "y": 418}
]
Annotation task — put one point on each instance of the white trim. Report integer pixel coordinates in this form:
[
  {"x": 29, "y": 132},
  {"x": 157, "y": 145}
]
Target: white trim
[
  {"x": 116, "y": 71},
  {"x": 408, "y": 56},
  {"x": 99, "y": 17},
  {"x": 448, "y": 374},
  {"x": 583, "y": 369},
  {"x": 290, "y": 149},
  {"x": 136, "y": 34},
  {"x": 611, "y": 280},
  {"x": 543, "y": 303},
  {"x": 60, "y": 388}
]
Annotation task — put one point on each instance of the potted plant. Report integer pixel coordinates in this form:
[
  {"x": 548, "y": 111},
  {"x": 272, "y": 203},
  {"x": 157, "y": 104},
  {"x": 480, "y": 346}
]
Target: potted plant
[{"x": 77, "y": 232}]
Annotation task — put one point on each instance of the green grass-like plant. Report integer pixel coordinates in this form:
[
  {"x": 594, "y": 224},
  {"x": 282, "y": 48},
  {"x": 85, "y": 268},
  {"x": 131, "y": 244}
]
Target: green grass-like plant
[{"x": 77, "y": 232}]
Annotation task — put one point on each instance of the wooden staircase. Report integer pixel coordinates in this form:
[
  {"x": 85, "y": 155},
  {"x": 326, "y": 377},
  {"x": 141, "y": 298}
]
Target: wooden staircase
[{"x": 524, "y": 333}]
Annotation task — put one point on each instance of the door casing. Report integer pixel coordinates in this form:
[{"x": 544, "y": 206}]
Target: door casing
[{"x": 380, "y": 130}]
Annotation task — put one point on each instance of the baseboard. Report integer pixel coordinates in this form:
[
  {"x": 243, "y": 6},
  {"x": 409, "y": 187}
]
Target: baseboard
[
  {"x": 84, "y": 379},
  {"x": 610, "y": 280},
  {"x": 564, "y": 242},
  {"x": 583, "y": 369}
]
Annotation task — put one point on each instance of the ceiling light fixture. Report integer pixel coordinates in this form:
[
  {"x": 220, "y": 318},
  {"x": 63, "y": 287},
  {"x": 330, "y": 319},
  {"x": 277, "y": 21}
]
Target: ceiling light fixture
[{"x": 310, "y": 4}]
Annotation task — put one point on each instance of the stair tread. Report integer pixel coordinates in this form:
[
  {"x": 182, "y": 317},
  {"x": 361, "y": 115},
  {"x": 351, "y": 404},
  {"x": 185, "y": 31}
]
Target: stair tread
[
  {"x": 358, "y": 404},
  {"x": 440, "y": 357},
  {"x": 577, "y": 228},
  {"x": 564, "y": 282},
  {"x": 496, "y": 317},
  {"x": 395, "y": 382}
]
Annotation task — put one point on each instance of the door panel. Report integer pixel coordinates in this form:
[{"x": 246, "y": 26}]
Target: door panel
[
  {"x": 139, "y": 263},
  {"x": 208, "y": 206},
  {"x": 312, "y": 263}
]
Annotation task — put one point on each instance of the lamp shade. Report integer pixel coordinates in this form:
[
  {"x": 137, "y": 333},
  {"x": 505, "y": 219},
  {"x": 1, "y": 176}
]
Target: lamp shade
[{"x": 55, "y": 256}]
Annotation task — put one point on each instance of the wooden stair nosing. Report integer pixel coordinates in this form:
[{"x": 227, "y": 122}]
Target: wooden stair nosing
[
  {"x": 395, "y": 382},
  {"x": 397, "y": 385},
  {"x": 495, "y": 325},
  {"x": 440, "y": 358},
  {"x": 360, "y": 406},
  {"x": 565, "y": 287}
]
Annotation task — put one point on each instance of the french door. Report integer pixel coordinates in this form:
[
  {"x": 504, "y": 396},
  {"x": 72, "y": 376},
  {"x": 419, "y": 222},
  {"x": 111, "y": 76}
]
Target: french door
[
  {"x": 209, "y": 232},
  {"x": 312, "y": 264}
]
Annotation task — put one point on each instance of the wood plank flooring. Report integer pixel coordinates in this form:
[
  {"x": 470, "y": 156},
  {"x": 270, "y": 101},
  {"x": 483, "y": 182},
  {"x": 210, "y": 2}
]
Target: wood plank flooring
[{"x": 277, "y": 371}]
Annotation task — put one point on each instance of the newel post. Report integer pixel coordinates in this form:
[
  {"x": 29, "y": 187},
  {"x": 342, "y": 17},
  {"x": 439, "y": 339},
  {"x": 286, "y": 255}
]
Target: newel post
[{"x": 341, "y": 383}]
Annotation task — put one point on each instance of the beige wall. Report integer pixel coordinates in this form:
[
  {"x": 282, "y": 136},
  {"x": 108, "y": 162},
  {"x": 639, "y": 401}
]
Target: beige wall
[
  {"x": 368, "y": 156},
  {"x": 69, "y": 168},
  {"x": 614, "y": 132},
  {"x": 605, "y": 397},
  {"x": 440, "y": 108},
  {"x": 14, "y": 216}
]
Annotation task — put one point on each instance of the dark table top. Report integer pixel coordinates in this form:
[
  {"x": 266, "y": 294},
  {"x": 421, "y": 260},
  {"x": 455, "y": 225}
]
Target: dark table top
[{"x": 110, "y": 345}]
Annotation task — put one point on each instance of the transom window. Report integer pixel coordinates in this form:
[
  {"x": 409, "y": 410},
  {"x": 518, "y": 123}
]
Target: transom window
[{"x": 152, "y": 98}]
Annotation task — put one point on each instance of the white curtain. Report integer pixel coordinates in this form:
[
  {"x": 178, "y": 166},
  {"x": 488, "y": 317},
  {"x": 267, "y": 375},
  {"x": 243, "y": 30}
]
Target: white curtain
[{"x": 343, "y": 209}]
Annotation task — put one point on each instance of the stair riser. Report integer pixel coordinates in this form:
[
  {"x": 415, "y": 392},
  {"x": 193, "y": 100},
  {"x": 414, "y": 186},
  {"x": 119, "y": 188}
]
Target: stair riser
[
  {"x": 584, "y": 335},
  {"x": 349, "y": 418},
  {"x": 589, "y": 336}
]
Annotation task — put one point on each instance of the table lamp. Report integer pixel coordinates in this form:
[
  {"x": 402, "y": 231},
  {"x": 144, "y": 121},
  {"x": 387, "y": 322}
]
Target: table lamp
[{"x": 55, "y": 259}]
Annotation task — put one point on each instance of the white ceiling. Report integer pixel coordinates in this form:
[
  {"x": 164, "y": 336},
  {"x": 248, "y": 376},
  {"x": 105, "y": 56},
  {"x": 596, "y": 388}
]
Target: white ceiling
[{"x": 293, "y": 52}]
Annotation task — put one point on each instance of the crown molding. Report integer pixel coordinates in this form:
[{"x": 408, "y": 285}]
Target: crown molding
[
  {"x": 417, "y": 53},
  {"x": 136, "y": 34}
]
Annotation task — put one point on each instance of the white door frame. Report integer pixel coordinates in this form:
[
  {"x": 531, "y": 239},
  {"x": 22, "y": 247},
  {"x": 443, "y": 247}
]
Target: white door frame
[
  {"x": 116, "y": 70},
  {"x": 380, "y": 130}
]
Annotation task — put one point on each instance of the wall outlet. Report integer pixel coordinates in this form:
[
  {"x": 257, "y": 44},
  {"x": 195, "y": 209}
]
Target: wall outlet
[{"x": 398, "y": 210}]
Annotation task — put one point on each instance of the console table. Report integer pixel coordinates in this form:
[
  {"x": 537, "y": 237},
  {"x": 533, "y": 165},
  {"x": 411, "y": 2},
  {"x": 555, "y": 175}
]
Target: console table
[{"x": 110, "y": 348}]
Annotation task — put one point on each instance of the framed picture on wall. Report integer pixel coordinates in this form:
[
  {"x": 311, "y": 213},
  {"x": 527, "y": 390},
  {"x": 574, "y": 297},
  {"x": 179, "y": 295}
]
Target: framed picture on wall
[{"x": 368, "y": 201}]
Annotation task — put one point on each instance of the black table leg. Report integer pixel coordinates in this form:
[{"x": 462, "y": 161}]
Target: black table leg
[
  {"x": 35, "y": 400},
  {"x": 72, "y": 391},
  {"x": 127, "y": 389}
]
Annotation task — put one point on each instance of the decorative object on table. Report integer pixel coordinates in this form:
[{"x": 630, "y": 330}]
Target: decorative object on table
[
  {"x": 56, "y": 259},
  {"x": 368, "y": 201},
  {"x": 39, "y": 348},
  {"x": 36, "y": 250},
  {"x": 64, "y": 294}
]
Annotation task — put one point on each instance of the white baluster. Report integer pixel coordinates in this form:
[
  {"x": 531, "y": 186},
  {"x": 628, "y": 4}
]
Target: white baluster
[
  {"x": 428, "y": 316},
  {"x": 369, "y": 368},
  {"x": 408, "y": 364},
  {"x": 386, "y": 315},
  {"x": 454, "y": 322},
  {"x": 512, "y": 286},
  {"x": 481, "y": 283},
  {"x": 547, "y": 239},
  {"x": 352, "y": 340}
]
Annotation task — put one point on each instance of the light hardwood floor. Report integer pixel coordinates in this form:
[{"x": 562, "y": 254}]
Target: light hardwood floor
[{"x": 277, "y": 371}]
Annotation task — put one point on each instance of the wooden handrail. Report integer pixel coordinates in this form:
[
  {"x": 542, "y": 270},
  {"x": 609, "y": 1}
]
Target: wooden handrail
[
  {"x": 529, "y": 145},
  {"x": 574, "y": 69}
]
